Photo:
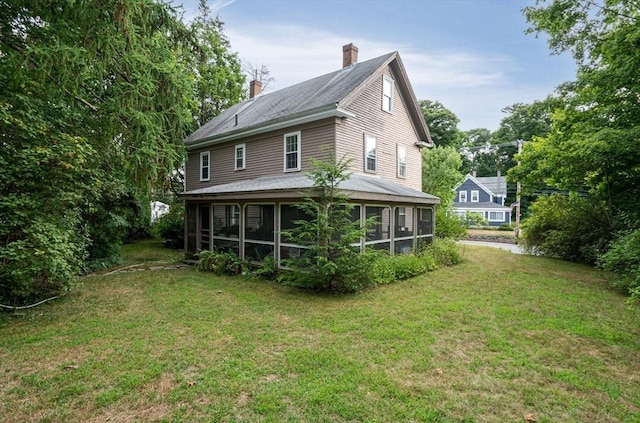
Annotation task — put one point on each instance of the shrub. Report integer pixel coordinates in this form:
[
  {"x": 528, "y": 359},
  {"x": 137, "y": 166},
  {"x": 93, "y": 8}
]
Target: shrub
[
  {"x": 445, "y": 252},
  {"x": 268, "y": 269},
  {"x": 449, "y": 225},
  {"x": 219, "y": 263},
  {"x": 567, "y": 227},
  {"x": 170, "y": 227},
  {"x": 624, "y": 258},
  {"x": 506, "y": 227}
]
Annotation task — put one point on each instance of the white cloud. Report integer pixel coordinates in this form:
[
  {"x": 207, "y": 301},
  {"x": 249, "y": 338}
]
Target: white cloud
[{"x": 475, "y": 87}]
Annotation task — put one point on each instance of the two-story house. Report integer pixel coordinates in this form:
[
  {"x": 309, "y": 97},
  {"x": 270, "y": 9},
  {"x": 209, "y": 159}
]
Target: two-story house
[
  {"x": 247, "y": 167},
  {"x": 485, "y": 197}
]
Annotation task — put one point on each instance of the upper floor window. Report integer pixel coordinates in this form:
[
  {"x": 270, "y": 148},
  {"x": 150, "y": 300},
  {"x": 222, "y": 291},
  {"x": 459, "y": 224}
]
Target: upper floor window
[
  {"x": 292, "y": 151},
  {"x": 387, "y": 94},
  {"x": 205, "y": 166},
  {"x": 462, "y": 196},
  {"x": 475, "y": 196},
  {"x": 240, "y": 156},
  {"x": 402, "y": 161},
  {"x": 370, "y": 153}
]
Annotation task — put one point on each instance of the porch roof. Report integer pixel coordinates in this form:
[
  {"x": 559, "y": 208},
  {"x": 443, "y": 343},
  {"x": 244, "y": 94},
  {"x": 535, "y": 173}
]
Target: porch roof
[
  {"x": 480, "y": 206},
  {"x": 357, "y": 187}
]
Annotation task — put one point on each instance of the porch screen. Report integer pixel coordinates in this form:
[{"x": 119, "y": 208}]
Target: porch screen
[
  {"x": 259, "y": 240},
  {"x": 226, "y": 227}
]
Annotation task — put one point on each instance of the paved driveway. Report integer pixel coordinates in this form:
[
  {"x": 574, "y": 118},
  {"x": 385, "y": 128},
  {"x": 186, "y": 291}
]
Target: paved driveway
[{"x": 514, "y": 248}]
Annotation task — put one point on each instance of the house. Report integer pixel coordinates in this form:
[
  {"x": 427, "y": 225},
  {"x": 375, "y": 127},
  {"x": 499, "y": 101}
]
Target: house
[
  {"x": 485, "y": 197},
  {"x": 247, "y": 167},
  {"x": 158, "y": 209}
]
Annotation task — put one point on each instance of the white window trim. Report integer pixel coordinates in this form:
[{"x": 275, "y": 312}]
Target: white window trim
[
  {"x": 244, "y": 157},
  {"x": 462, "y": 196},
  {"x": 206, "y": 154},
  {"x": 366, "y": 156},
  {"x": 477, "y": 195},
  {"x": 496, "y": 220},
  {"x": 298, "y": 134},
  {"x": 402, "y": 165},
  {"x": 392, "y": 86}
]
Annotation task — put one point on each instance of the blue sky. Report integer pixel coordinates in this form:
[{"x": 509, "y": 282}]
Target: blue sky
[{"x": 471, "y": 55}]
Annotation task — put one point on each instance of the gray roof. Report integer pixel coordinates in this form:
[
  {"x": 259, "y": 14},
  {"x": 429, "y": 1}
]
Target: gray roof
[
  {"x": 319, "y": 93},
  {"x": 496, "y": 184},
  {"x": 357, "y": 187}
]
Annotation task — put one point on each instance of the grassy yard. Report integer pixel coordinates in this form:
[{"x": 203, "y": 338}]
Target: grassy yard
[{"x": 494, "y": 339}]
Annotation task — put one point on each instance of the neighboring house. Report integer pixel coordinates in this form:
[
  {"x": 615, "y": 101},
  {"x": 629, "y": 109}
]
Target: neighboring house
[
  {"x": 158, "y": 209},
  {"x": 483, "y": 196},
  {"x": 247, "y": 167}
]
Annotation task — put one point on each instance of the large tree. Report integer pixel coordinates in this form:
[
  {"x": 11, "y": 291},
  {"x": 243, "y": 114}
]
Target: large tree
[
  {"x": 442, "y": 123},
  {"x": 94, "y": 105},
  {"x": 592, "y": 147}
]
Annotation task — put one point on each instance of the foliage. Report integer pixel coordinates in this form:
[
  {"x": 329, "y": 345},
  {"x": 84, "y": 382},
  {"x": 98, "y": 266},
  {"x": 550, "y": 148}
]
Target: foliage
[
  {"x": 623, "y": 257},
  {"x": 591, "y": 148},
  {"x": 472, "y": 219},
  {"x": 557, "y": 228},
  {"x": 441, "y": 173},
  {"x": 95, "y": 101},
  {"x": 445, "y": 252},
  {"x": 442, "y": 123},
  {"x": 330, "y": 262},
  {"x": 268, "y": 269},
  {"x": 449, "y": 225},
  {"x": 218, "y": 78},
  {"x": 220, "y": 263},
  {"x": 170, "y": 226}
]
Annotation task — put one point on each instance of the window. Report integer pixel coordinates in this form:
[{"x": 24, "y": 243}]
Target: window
[
  {"x": 292, "y": 151},
  {"x": 240, "y": 157},
  {"x": 402, "y": 161},
  {"x": 401, "y": 216},
  {"x": 475, "y": 196},
  {"x": 387, "y": 94},
  {"x": 463, "y": 196},
  {"x": 259, "y": 231},
  {"x": 204, "y": 166},
  {"x": 496, "y": 216},
  {"x": 370, "y": 153}
]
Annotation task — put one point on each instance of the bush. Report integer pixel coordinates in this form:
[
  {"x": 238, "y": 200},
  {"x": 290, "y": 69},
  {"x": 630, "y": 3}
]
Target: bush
[
  {"x": 170, "y": 227},
  {"x": 219, "y": 263},
  {"x": 623, "y": 258},
  {"x": 449, "y": 225},
  {"x": 445, "y": 252},
  {"x": 506, "y": 227},
  {"x": 567, "y": 227},
  {"x": 268, "y": 269}
]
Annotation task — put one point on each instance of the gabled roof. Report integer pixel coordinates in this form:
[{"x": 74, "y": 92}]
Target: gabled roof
[
  {"x": 493, "y": 185},
  {"x": 480, "y": 206},
  {"x": 325, "y": 96}
]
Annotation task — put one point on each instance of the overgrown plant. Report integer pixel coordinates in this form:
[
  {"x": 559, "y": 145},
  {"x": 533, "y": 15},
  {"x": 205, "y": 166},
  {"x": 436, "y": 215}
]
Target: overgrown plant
[
  {"x": 220, "y": 263},
  {"x": 330, "y": 262},
  {"x": 624, "y": 258}
]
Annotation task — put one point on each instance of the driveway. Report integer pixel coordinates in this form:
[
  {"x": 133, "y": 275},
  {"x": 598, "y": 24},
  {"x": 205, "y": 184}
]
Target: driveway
[{"x": 514, "y": 248}]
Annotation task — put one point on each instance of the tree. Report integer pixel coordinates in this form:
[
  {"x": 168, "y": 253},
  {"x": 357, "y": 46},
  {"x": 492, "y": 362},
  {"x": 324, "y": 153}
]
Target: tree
[
  {"x": 591, "y": 148},
  {"x": 94, "y": 106},
  {"x": 329, "y": 262},
  {"x": 440, "y": 175},
  {"x": 219, "y": 82},
  {"x": 442, "y": 123},
  {"x": 477, "y": 151}
]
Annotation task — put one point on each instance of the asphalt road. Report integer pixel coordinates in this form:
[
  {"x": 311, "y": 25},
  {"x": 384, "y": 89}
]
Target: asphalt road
[{"x": 514, "y": 248}]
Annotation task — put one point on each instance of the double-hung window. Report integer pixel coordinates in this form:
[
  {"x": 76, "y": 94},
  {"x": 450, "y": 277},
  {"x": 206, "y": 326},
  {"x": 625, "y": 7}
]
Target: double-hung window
[
  {"x": 292, "y": 151},
  {"x": 240, "y": 156},
  {"x": 463, "y": 196},
  {"x": 370, "y": 154},
  {"x": 402, "y": 161},
  {"x": 205, "y": 166},
  {"x": 387, "y": 94},
  {"x": 475, "y": 196}
]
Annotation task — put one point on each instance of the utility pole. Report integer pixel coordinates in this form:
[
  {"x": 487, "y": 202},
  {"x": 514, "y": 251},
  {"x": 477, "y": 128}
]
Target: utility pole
[{"x": 518, "y": 187}]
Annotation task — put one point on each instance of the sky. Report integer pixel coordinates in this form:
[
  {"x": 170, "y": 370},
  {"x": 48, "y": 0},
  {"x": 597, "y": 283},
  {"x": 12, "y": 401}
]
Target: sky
[{"x": 470, "y": 55}]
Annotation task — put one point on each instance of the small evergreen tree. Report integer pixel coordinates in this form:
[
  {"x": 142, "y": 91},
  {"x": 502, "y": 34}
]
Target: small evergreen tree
[{"x": 331, "y": 261}]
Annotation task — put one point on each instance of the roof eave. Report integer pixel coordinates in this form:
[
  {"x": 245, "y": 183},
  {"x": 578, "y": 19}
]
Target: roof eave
[{"x": 333, "y": 110}]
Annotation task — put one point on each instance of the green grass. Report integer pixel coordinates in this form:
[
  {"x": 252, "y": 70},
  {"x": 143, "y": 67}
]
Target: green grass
[{"x": 491, "y": 340}]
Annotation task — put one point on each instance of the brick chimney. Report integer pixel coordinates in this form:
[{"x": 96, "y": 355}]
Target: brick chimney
[
  {"x": 255, "y": 88},
  {"x": 349, "y": 55}
]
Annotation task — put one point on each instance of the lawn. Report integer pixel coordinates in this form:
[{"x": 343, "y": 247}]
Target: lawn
[{"x": 494, "y": 339}]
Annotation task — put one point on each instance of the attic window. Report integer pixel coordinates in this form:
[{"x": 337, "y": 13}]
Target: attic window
[{"x": 387, "y": 94}]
